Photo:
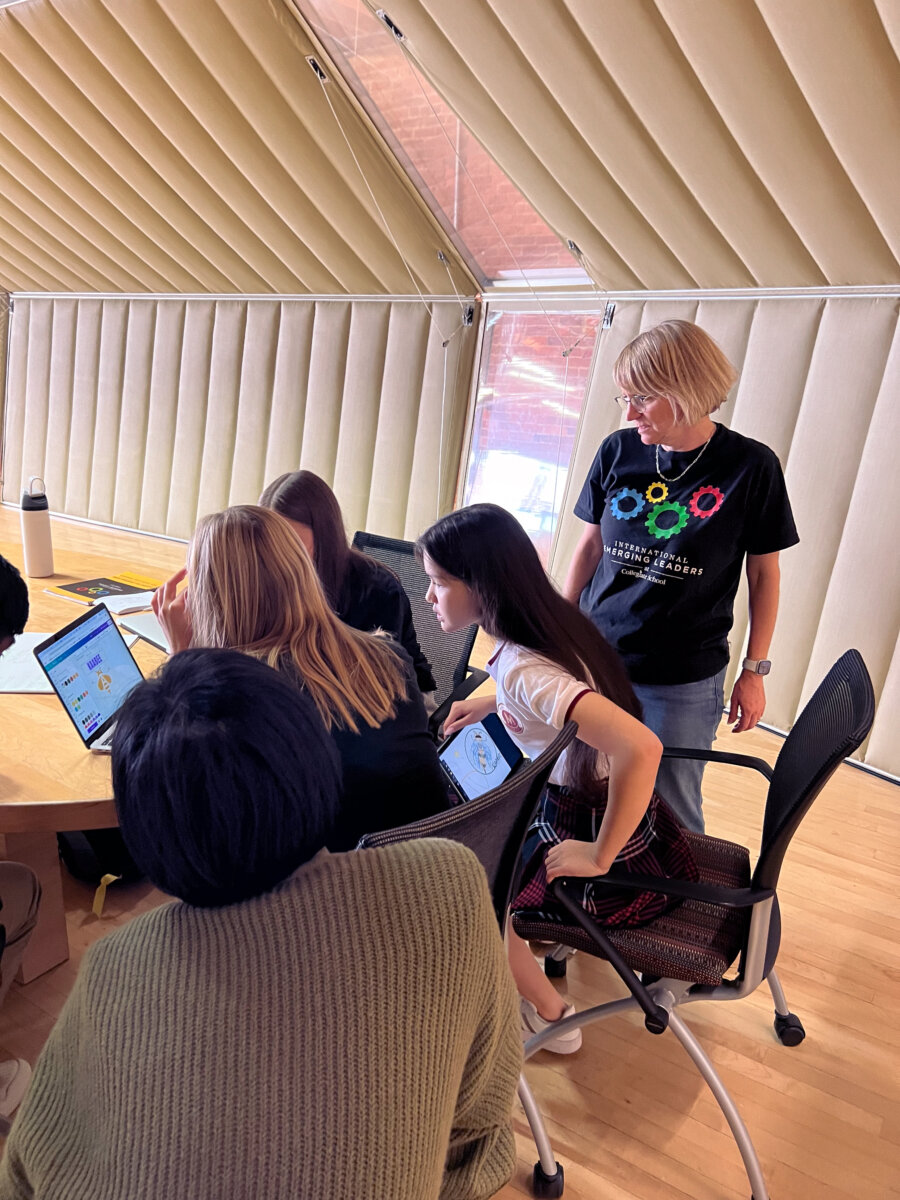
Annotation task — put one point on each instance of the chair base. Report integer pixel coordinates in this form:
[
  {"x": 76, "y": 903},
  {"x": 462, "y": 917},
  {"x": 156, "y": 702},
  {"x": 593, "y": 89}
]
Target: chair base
[
  {"x": 555, "y": 968},
  {"x": 668, "y": 995},
  {"x": 544, "y": 1185},
  {"x": 789, "y": 1029}
]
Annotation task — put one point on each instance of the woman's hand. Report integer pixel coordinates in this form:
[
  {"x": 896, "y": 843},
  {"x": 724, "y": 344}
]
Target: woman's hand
[
  {"x": 748, "y": 701},
  {"x": 172, "y": 612},
  {"x": 572, "y": 858},
  {"x": 468, "y": 711}
]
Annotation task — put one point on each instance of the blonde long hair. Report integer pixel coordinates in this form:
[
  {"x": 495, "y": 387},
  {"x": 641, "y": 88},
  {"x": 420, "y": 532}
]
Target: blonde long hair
[{"x": 253, "y": 588}]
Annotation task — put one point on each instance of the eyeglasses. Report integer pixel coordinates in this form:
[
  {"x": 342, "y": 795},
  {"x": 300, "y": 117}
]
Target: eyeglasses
[{"x": 638, "y": 403}]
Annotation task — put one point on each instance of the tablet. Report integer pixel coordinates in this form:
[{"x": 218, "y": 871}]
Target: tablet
[{"x": 479, "y": 757}]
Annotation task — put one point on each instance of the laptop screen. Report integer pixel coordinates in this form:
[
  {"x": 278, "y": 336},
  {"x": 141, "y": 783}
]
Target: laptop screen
[{"x": 91, "y": 670}]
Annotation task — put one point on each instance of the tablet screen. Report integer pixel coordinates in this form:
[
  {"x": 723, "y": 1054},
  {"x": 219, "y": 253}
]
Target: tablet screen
[{"x": 473, "y": 761}]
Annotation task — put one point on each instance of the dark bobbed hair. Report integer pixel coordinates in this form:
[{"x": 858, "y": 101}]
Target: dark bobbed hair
[
  {"x": 13, "y": 601},
  {"x": 224, "y": 777},
  {"x": 487, "y": 548},
  {"x": 305, "y": 497}
]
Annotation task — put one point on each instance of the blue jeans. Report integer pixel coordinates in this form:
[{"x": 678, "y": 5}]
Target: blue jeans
[{"x": 683, "y": 714}]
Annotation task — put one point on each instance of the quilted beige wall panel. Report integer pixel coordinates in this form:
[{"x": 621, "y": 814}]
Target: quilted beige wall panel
[
  {"x": 709, "y": 143},
  {"x": 149, "y": 413},
  {"x": 819, "y": 380},
  {"x": 169, "y": 147}
]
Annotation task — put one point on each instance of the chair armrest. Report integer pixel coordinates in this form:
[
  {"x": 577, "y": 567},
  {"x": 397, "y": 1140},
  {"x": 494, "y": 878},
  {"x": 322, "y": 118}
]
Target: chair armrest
[
  {"x": 720, "y": 756},
  {"x": 473, "y": 680},
  {"x": 684, "y": 889},
  {"x": 656, "y": 1018}
]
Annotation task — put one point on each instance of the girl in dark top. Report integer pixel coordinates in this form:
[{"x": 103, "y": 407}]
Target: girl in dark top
[
  {"x": 364, "y": 593},
  {"x": 253, "y": 588}
]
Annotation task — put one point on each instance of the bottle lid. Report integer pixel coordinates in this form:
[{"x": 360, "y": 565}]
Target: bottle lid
[{"x": 35, "y": 499}]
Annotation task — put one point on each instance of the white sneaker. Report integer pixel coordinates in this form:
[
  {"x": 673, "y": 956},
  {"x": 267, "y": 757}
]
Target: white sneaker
[
  {"x": 532, "y": 1022},
  {"x": 15, "y": 1075}
]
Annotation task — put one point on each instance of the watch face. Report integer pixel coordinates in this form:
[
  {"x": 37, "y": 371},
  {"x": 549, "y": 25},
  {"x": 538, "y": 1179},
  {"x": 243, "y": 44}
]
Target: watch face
[{"x": 763, "y": 667}]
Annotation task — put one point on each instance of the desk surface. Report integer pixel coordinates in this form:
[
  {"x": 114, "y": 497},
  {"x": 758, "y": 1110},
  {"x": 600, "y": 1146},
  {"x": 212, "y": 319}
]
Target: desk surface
[{"x": 48, "y": 781}]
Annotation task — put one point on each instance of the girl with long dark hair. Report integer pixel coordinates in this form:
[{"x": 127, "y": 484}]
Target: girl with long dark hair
[
  {"x": 552, "y": 665},
  {"x": 365, "y": 594}
]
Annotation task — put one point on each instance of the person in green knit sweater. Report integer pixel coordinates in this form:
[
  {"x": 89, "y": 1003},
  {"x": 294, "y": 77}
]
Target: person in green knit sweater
[{"x": 298, "y": 1024}]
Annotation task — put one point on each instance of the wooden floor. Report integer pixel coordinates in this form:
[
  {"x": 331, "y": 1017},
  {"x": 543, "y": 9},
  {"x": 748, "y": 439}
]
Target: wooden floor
[{"x": 629, "y": 1115}]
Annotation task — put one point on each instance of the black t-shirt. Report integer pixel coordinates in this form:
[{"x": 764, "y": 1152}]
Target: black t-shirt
[
  {"x": 391, "y": 774},
  {"x": 372, "y": 597},
  {"x": 663, "y": 592}
]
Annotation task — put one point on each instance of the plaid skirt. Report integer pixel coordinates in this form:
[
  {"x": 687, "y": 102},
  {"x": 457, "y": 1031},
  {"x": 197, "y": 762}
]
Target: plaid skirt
[{"x": 657, "y": 847}]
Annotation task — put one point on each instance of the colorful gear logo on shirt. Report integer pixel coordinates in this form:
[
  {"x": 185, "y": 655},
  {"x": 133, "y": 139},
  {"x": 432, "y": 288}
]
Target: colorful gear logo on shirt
[
  {"x": 625, "y": 514},
  {"x": 672, "y": 506},
  {"x": 656, "y": 492},
  {"x": 694, "y": 503}
]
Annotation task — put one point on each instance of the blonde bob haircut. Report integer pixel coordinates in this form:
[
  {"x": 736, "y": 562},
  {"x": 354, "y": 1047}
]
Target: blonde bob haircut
[
  {"x": 680, "y": 361},
  {"x": 253, "y": 588}
]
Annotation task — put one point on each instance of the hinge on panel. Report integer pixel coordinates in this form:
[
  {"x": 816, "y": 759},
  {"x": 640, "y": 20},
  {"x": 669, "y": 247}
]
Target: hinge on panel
[
  {"x": 316, "y": 69},
  {"x": 609, "y": 314},
  {"x": 386, "y": 20}
]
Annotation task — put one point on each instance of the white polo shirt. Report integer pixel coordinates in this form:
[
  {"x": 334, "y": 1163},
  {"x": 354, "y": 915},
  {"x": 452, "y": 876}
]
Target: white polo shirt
[{"x": 534, "y": 699}]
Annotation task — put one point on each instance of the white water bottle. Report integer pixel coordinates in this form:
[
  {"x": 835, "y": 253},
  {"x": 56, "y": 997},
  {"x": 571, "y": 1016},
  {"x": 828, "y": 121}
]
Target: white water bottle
[{"x": 35, "y": 519}]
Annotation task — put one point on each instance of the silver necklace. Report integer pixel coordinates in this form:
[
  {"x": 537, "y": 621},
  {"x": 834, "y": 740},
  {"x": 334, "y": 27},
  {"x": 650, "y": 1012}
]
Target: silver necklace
[{"x": 674, "y": 479}]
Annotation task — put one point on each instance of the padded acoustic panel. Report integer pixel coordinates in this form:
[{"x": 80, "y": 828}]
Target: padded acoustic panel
[
  {"x": 149, "y": 413},
  {"x": 819, "y": 384},
  {"x": 686, "y": 143},
  {"x": 165, "y": 146}
]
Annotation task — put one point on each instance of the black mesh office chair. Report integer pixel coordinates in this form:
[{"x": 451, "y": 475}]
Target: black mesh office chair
[
  {"x": 494, "y": 828},
  {"x": 448, "y": 653},
  {"x": 730, "y": 914}
]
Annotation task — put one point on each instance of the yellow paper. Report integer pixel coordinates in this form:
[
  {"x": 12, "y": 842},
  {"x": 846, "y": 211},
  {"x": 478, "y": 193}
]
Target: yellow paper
[
  {"x": 141, "y": 582},
  {"x": 100, "y": 894}
]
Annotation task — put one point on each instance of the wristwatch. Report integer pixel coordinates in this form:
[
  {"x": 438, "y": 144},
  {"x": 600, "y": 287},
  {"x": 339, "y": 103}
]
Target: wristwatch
[{"x": 759, "y": 666}]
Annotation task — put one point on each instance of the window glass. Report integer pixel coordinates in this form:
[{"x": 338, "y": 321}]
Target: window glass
[
  {"x": 527, "y": 408},
  {"x": 494, "y": 227}
]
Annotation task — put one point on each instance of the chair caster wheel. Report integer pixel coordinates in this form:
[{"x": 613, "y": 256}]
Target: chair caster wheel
[
  {"x": 554, "y": 968},
  {"x": 544, "y": 1185},
  {"x": 789, "y": 1029}
]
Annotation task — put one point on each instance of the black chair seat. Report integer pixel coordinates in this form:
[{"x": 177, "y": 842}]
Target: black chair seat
[{"x": 695, "y": 942}]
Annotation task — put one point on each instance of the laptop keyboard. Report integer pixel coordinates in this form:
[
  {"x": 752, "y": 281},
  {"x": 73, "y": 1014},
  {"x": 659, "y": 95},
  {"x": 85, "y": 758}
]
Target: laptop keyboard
[{"x": 103, "y": 745}]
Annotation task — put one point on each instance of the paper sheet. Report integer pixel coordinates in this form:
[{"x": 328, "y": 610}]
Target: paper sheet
[
  {"x": 145, "y": 625},
  {"x": 19, "y": 670},
  {"x": 118, "y": 605}
]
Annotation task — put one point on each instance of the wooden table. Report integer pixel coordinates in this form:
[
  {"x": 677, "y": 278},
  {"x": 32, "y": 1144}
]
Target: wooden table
[{"x": 48, "y": 782}]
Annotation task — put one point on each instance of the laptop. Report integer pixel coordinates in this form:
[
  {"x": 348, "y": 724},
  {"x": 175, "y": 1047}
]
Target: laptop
[
  {"x": 92, "y": 671},
  {"x": 479, "y": 758}
]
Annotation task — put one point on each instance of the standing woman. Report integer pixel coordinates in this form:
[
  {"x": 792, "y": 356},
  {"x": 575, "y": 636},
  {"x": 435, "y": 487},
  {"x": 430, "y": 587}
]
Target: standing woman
[
  {"x": 675, "y": 507},
  {"x": 364, "y": 593},
  {"x": 253, "y": 588}
]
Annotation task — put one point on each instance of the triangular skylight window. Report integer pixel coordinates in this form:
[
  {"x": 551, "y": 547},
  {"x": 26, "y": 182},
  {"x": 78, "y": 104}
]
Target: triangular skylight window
[{"x": 494, "y": 227}]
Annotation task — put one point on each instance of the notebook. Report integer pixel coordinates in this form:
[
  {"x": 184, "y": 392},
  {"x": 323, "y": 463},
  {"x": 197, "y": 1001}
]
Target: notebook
[{"x": 146, "y": 626}]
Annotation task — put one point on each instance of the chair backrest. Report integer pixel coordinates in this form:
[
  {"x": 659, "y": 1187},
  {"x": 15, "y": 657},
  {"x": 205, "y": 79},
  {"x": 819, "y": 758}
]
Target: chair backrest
[
  {"x": 494, "y": 825},
  {"x": 834, "y": 723},
  {"x": 448, "y": 653}
]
